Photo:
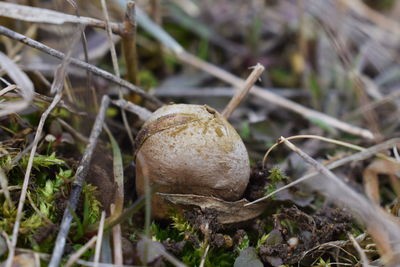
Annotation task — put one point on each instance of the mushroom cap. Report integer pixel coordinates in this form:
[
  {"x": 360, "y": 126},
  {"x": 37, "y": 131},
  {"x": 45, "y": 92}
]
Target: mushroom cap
[{"x": 191, "y": 149}]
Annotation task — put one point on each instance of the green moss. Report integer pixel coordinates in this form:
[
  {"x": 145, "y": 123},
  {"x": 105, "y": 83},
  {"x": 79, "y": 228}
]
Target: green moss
[{"x": 275, "y": 175}]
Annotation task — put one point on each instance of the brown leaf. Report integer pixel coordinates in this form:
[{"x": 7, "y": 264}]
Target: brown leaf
[
  {"x": 227, "y": 212},
  {"x": 371, "y": 179}
]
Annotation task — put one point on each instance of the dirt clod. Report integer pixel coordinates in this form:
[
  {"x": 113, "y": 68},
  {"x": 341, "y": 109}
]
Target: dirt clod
[{"x": 326, "y": 225}]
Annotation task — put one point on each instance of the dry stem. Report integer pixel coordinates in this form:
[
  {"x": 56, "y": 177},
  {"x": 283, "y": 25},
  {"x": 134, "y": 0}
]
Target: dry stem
[
  {"x": 77, "y": 185},
  {"x": 364, "y": 259},
  {"x": 271, "y": 97},
  {"x": 99, "y": 239},
  {"x": 74, "y": 257},
  {"x": 117, "y": 242},
  {"x": 116, "y": 69},
  {"x": 367, "y": 153},
  {"x": 102, "y": 73},
  {"x": 381, "y": 225},
  {"x": 25, "y": 184},
  {"x": 241, "y": 94},
  {"x": 129, "y": 43}
]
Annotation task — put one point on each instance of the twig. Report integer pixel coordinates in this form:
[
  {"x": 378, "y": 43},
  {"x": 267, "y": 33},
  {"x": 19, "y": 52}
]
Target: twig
[
  {"x": 6, "y": 239},
  {"x": 9, "y": 88},
  {"x": 143, "y": 113},
  {"x": 27, "y": 176},
  {"x": 56, "y": 87},
  {"x": 74, "y": 132},
  {"x": 24, "y": 84},
  {"x": 273, "y": 98},
  {"x": 317, "y": 137},
  {"x": 99, "y": 239},
  {"x": 62, "y": 103},
  {"x": 41, "y": 15},
  {"x": 77, "y": 254},
  {"x": 164, "y": 253},
  {"x": 383, "y": 227},
  {"x": 220, "y": 91},
  {"x": 10, "y": 188},
  {"x": 91, "y": 264},
  {"x": 109, "y": 35},
  {"x": 116, "y": 69},
  {"x": 156, "y": 13},
  {"x": 77, "y": 185},
  {"x": 102, "y": 73},
  {"x": 204, "y": 256},
  {"x": 86, "y": 56},
  {"x": 188, "y": 58},
  {"x": 367, "y": 153},
  {"x": 241, "y": 94},
  {"x": 117, "y": 242},
  {"x": 364, "y": 259},
  {"x": 129, "y": 42}
]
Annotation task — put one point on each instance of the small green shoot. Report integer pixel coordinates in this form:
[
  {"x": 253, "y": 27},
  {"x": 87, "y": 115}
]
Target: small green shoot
[
  {"x": 41, "y": 161},
  {"x": 275, "y": 175}
]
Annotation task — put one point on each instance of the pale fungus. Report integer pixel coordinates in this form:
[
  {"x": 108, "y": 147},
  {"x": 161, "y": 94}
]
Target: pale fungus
[{"x": 190, "y": 149}]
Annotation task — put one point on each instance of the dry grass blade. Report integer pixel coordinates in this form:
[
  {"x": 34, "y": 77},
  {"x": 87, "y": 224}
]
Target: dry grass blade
[
  {"x": 10, "y": 188},
  {"x": 75, "y": 133},
  {"x": 383, "y": 227},
  {"x": 91, "y": 264},
  {"x": 21, "y": 202},
  {"x": 367, "y": 153},
  {"x": 129, "y": 42},
  {"x": 4, "y": 188},
  {"x": 158, "y": 32},
  {"x": 364, "y": 259},
  {"x": 116, "y": 68},
  {"x": 112, "y": 221},
  {"x": 330, "y": 140},
  {"x": 40, "y": 15},
  {"x": 117, "y": 241},
  {"x": 236, "y": 82},
  {"x": 204, "y": 256},
  {"x": 117, "y": 209},
  {"x": 118, "y": 173},
  {"x": 80, "y": 176},
  {"x": 109, "y": 35},
  {"x": 396, "y": 154},
  {"x": 99, "y": 239},
  {"x": 361, "y": 8},
  {"x": 23, "y": 82},
  {"x": 81, "y": 64},
  {"x": 9, "y": 88},
  {"x": 56, "y": 87},
  {"x": 371, "y": 177},
  {"x": 220, "y": 91},
  {"x": 161, "y": 251},
  {"x": 143, "y": 113},
  {"x": 257, "y": 91},
  {"x": 241, "y": 94},
  {"x": 74, "y": 257}
]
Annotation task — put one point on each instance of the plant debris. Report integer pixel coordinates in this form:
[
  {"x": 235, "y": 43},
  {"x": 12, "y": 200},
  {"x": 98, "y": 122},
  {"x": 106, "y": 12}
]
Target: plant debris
[{"x": 72, "y": 122}]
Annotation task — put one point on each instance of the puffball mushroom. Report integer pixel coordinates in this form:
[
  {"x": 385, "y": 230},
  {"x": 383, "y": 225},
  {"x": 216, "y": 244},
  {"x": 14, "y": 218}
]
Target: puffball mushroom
[{"x": 190, "y": 149}]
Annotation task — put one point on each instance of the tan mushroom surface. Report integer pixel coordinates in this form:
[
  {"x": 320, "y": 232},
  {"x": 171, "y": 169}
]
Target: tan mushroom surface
[{"x": 190, "y": 149}]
